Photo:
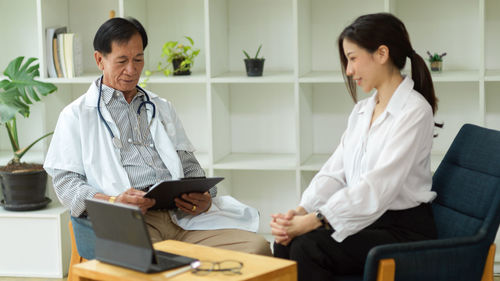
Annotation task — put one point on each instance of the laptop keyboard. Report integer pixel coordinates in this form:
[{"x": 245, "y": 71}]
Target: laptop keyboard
[{"x": 169, "y": 260}]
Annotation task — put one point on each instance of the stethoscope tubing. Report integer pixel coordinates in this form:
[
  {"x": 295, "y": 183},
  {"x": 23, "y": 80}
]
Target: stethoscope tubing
[{"x": 116, "y": 141}]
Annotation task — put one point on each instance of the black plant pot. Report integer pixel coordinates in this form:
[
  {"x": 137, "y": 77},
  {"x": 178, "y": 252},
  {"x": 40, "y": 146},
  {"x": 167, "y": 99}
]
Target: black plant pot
[
  {"x": 254, "y": 67},
  {"x": 24, "y": 191},
  {"x": 177, "y": 64}
]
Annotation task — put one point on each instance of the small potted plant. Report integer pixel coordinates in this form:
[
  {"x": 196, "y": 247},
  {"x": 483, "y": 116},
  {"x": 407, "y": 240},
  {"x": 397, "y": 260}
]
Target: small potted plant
[
  {"x": 254, "y": 66},
  {"x": 23, "y": 184},
  {"x": 179, "y": 59},
  {"x": 436, "y": 61}
]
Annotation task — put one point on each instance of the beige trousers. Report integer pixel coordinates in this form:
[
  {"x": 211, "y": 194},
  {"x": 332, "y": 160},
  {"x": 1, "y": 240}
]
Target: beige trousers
[{"x": 161, "y": 227}]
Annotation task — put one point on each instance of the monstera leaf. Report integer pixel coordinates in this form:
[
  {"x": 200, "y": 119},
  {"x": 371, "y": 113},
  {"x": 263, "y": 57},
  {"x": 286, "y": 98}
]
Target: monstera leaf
[{"x": 17, "y": 92}]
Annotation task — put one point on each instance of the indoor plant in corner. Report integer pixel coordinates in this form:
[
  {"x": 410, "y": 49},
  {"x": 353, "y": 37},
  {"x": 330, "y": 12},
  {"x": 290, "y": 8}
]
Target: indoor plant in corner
[{"x": 23, "y": 184}]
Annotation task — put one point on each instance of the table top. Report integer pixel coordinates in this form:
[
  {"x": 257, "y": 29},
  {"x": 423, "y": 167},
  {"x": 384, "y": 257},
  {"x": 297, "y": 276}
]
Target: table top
[{"x": 255, "y": 267}]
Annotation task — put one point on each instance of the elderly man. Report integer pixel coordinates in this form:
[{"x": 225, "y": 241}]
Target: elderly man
[{"x": 117, "y": 140}]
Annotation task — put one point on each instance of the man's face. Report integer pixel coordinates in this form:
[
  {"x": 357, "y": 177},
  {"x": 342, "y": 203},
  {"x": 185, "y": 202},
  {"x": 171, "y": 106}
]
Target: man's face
[{"x": 122, "y": 67}]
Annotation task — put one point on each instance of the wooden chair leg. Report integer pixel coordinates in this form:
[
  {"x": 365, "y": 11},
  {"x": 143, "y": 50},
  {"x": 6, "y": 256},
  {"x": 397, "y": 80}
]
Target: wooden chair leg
[
  {"x": 75, "y": 257},
  {"x": 386, "y": 270},
  {"x": 488, "y": 267}
]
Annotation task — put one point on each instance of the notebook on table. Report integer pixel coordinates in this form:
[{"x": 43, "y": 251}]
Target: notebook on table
[{"x": 122, "y": 239}]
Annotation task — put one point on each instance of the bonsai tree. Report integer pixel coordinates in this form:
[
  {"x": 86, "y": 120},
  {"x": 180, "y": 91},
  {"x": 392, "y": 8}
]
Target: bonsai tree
[
  {"x": 179, "y": 58},
  {"x": 17, "y": 93},
  {"x": 254, "y": 66}
]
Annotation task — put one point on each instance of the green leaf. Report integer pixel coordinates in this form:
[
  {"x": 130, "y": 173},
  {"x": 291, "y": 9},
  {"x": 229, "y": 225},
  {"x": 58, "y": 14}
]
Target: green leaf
[
  {"x": 21, "y": 87},
  {"x": 10, "y": 104},
  {"x": 190, "y": 40},
  {"x": 246, "y": 54},
  {"x": 258, "y": 51}
]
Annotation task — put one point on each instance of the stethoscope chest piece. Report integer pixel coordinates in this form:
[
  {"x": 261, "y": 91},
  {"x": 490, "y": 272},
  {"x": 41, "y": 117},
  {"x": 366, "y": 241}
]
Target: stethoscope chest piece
[{"x": 117, "y": 143}]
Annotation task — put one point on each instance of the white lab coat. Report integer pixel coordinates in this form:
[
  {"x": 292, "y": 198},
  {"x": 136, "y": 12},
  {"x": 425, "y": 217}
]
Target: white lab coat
[{"x": 82, "y": 144}]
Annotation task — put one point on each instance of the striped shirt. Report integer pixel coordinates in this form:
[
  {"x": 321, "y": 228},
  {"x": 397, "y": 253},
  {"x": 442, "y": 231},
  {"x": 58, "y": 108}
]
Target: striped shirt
[{"x": 138, "y": 154}]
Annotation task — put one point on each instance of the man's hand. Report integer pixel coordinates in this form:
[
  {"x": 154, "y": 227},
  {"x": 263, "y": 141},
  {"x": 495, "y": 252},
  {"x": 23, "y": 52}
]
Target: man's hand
[
  {"x": 136, "y": 197},
  {"x": 194, "y": 203}
]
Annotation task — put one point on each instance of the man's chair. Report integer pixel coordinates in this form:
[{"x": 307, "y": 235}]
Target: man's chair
[
  {"x": 82, "y": 242},
  {"x": 467, "y": 215}
]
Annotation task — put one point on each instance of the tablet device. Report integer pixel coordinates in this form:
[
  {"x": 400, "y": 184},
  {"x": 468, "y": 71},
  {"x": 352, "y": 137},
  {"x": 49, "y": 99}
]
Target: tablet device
[{"x": 165, "y": 192}]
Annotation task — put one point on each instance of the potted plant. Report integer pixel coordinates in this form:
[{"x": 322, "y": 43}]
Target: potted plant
[
  {"x": 436, "y": 61},
  {"x": 179, "y": 59},
  {"x": 254, "y": 66},
  {"x": 23, "y": 184}
]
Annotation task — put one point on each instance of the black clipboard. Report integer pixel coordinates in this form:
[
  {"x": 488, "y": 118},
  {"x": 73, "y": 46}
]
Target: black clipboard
[{"x": 165, "y": 192}]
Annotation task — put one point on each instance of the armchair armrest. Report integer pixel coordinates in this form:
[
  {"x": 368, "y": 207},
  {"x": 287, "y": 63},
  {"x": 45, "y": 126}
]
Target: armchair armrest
[{"x": 444, "y": 259}]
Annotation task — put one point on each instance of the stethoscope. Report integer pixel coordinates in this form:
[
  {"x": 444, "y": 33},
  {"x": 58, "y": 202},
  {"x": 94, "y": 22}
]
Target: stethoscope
[{"x": 116, "y": 141}]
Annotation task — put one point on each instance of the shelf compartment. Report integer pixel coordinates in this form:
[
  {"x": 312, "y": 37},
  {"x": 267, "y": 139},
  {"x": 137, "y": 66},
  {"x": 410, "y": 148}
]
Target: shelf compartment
[
  {"x": 324, "y": 109},
  {"x": 250, "y": 187},
  {"x": 79, "y": 17},
  {"x": 247, "y": 161},
  {"x": 267, "y": 77},
  {"x": 170, "y": 21},
  {"x": 253, "y": 119},
  {"x": 492, "y": 97},
  {"x": 492, "y": 75},
  {"x": 190, "y": 104},
  {"x": 492, "y": 36},
  {"x": 236, "y": 25},
  {"x": 320, "y": 22},
  {"x": 14, "y": 44},
  {"x": 458, "y": 104},
  {"x": 427, "y": 32}
]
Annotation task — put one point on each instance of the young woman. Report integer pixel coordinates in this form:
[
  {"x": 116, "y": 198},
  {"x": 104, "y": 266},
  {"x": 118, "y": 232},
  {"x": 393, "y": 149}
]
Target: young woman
[{"x": 376, "y": 186}]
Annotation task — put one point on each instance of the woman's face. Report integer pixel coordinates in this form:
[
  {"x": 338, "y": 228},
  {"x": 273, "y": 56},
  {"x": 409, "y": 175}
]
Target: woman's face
[{"x": 361, "y": 66}]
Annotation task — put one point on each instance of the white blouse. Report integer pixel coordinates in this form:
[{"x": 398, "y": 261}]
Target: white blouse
[{"x": 378, "y": 168}]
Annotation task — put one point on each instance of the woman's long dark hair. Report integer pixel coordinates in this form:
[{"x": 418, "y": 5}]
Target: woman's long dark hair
[{"x": 373, "y": 30}]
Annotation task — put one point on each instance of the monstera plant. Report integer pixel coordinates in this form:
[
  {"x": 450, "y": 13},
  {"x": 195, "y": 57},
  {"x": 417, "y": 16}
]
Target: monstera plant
[{"x": 23, "y": 184}]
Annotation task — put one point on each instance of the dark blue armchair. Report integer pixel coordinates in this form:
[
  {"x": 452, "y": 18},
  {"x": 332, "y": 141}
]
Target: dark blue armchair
[{"x": 467, "y": 214}]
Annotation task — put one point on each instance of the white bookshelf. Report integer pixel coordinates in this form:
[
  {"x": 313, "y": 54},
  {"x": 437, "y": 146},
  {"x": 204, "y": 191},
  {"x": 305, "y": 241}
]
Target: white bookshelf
[{"x": 268, "y": 135}]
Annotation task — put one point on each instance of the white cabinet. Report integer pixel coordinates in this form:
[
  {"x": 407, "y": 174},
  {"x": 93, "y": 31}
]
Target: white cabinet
[
  {"x": 269, "y": 135},
  {"x": 35, "y": 243}
]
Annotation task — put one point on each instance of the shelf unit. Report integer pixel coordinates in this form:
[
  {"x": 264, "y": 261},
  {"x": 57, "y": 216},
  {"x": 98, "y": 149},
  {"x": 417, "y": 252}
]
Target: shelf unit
[
  {"x": 269, "y": 135},
  {"x": 37, "y": 243}
]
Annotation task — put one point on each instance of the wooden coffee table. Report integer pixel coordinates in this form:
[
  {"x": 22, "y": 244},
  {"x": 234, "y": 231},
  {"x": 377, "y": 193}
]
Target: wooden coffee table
[{"x": 255, "y": 267}]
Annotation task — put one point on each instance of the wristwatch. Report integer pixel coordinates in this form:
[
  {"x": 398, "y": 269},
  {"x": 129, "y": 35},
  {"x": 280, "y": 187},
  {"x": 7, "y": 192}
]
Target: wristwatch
[{"x": 321, "y": 218}]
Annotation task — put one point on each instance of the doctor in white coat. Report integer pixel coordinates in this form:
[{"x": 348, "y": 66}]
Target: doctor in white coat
[{"x": 117, "y": 140}]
